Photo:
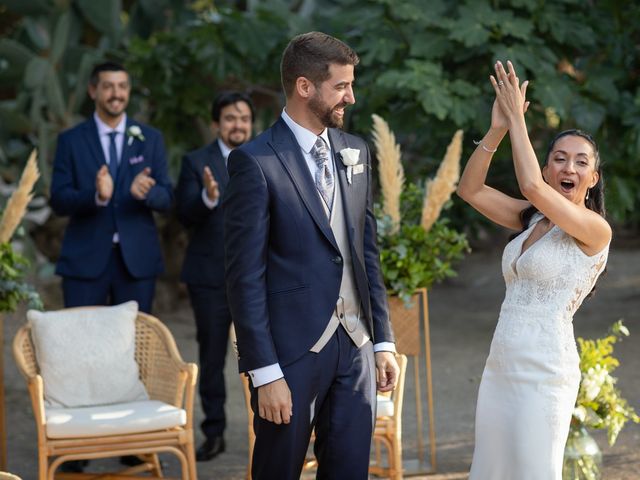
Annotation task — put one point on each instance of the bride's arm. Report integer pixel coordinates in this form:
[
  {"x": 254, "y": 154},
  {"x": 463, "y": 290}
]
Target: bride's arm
[
  {"x": 589, "y": 228},
  {"x": 493, "y": 204}
]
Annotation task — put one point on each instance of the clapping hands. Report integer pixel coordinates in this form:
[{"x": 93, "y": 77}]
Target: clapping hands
[
  {"x": 142, "y": 183},
  {"x": 510, "y": 102},
  {"x": 104, "y": 184}
]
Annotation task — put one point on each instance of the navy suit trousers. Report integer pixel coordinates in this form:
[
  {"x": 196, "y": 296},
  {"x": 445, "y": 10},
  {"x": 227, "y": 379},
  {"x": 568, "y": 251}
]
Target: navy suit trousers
[
  {"x": 114, "y": 286},
  {"x": 213, "y": 321},
  {"x": 335, "y": 392}
]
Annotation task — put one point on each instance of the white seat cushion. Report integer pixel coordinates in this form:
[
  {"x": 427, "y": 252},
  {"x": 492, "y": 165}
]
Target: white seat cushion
[
  {"x": 116, "y": 419},
  {"x": 86, "y": 355},
  {"x": 385, "y": 406}
]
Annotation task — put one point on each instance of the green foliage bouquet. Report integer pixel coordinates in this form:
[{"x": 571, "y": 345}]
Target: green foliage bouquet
[
  {"x": 416, "y": 247},
  {"x": 600, "y": 403}
]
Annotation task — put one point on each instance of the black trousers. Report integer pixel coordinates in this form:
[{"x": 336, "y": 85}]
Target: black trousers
[{"x": 213, "y": 321}]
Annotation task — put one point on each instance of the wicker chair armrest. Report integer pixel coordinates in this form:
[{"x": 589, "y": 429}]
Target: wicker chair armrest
[{"x": 165, "y": 375}]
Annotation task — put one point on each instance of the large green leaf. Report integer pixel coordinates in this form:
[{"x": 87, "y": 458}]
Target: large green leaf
[
  {"x": 103, "y": 15},
  {"x": 588, "y": 114},
  {"x": 15, "y": 54},
  {"x": 55, "y": 99},
  {"x": 38, "y": 32},
  {"x": 468, "y": 31},
  {"x": 36, "y": 72},
  {"x": 552, "y": 92},
  {"x": 60, "y": 37}
]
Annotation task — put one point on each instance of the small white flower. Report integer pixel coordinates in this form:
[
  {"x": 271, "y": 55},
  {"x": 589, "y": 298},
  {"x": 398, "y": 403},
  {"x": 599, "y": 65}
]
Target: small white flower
[
  {"x": 350, "y": 157},
  {"x": 134, "y": 131}
]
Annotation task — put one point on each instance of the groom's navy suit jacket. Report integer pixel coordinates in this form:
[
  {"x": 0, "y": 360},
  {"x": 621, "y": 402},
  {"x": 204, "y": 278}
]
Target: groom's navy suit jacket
[
  {"x": 283, "y": 266},
  {"x": 88, "y": 238}
]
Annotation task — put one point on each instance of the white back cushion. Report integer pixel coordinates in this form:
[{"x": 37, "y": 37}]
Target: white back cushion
[{"x": 86, "y": 355}]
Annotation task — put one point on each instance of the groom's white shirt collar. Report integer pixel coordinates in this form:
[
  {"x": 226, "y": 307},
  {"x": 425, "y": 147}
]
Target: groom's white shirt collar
[{"x": 305, "y": 137}]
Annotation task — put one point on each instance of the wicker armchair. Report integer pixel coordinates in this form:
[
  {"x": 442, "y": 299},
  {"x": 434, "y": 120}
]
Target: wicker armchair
[{"x": 166, "y": 377}]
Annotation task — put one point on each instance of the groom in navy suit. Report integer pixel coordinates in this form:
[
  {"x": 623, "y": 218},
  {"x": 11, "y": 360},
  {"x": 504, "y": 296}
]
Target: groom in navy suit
[
  {"x": 109, "y": 175},
  {"x": 303, "y": 274}
]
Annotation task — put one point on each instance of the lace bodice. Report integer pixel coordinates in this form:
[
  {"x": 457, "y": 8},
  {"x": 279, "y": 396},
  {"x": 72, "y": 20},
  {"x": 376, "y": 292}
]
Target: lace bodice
[
  {"x": 552, "y": 277},
  {"x": 545, "y": 286}
]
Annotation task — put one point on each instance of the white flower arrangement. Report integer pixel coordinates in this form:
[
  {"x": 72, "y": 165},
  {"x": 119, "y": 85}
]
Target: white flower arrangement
[
  {"x": 350, "y": 157},
  {"x": 134, "y": 131}
]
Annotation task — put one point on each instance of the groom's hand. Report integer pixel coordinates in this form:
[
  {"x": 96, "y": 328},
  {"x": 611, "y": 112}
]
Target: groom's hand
[
  {"x": 387, "y": 371},
  {"x": 274, "y": 402}
]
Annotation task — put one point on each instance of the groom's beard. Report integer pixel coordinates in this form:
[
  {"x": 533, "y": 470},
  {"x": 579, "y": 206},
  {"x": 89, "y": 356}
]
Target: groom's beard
[{"x": 325, "y": 113}]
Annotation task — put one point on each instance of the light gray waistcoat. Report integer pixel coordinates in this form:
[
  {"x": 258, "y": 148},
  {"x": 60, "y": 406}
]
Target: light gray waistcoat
[{"x": 348, "y": 311}]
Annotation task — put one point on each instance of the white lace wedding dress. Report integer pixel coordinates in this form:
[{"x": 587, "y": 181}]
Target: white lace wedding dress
[{"x": 531, "y": 378}]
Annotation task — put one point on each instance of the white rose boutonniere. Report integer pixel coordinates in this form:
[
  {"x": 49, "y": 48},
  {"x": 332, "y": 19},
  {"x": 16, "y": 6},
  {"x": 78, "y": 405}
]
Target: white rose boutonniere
[
  {"x": 350, "y": 157},
  {"x": 134, "y": 131}
]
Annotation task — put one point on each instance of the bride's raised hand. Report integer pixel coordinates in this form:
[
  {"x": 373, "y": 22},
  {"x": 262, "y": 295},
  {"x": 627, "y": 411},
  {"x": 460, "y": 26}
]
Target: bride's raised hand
[
  {"x": 498, "y": 119},
  {"x": 510, "y": 102}
]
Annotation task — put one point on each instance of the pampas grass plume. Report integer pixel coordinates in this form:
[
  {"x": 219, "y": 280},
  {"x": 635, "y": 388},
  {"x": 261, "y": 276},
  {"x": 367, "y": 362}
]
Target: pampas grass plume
[
  {"x": 20, "y": 198},
  {"x": 440, "y": 188},
  {"x": 390, "y": 169}
]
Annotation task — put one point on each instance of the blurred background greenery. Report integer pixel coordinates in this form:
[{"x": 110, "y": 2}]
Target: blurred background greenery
[{"x": 424, "y": 68}]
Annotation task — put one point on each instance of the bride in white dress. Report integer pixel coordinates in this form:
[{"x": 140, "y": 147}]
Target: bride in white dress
[{"x": 531, "y": 378}]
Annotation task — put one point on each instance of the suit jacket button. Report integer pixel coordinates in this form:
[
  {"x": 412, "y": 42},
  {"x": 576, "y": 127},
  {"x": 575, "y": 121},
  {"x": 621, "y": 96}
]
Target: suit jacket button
[{"x": 337, "y": 260}]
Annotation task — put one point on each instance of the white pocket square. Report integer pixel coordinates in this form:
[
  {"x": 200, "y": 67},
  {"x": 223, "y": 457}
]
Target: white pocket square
[{"x": 358, "y": 168}]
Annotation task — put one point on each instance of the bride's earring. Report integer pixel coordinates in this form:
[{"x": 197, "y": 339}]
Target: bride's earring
[{"x": 587, "y": 197}]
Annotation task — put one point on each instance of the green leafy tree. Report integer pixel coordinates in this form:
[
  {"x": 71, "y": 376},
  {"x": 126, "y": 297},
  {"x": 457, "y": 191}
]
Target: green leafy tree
[{"x": 425, "y": 65}]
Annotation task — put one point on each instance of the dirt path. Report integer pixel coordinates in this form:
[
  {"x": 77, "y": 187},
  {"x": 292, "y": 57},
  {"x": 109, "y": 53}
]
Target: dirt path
[{"x": 463, "y": 313}]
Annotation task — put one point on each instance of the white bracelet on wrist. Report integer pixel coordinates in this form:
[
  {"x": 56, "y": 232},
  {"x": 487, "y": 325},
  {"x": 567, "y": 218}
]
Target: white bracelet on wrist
[{"x": 485, "y": 148}]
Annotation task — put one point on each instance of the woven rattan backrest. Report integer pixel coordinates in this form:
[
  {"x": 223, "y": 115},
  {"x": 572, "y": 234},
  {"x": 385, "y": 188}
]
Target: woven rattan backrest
[
  {"x": 24, "y": 352},
  {"x": 158, "y": 370}
]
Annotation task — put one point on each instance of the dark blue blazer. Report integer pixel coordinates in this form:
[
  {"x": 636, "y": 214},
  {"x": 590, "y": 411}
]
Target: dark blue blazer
[
  {"x": 204, "y": 258},
  {"x": 88, "y": 238},
  {"x": 283, "y": 265}
]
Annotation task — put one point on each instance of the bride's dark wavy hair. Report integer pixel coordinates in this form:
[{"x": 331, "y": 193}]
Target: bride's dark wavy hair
[{"x": 595, "y": 200}]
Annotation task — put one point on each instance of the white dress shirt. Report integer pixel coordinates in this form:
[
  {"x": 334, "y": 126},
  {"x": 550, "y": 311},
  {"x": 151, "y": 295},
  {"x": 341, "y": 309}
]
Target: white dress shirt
[{"x": 306, "y": 140}]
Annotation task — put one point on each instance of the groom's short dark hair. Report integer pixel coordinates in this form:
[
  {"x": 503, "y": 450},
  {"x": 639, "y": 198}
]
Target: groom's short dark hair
[{"x": 309, "y": 55}]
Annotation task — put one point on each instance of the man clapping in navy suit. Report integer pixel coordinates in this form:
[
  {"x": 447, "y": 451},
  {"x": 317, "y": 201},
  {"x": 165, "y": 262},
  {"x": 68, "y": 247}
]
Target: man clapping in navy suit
[
  {"x": 201, "y": 186},
  {"x": 303, "y": 274},
  {"x": 109, "y": 175}
]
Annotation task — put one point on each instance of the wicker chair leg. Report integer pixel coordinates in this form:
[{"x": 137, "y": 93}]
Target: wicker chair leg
[
  {"x": 397, "y": 459},
  {"x": 156, "y": 470},
  {"x": 191, "y": 460},
  {"x": 43, "y": 465}
]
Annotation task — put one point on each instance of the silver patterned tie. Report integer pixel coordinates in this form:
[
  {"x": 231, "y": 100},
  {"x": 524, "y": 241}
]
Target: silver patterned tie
[{"x": 324, "y": 177}]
